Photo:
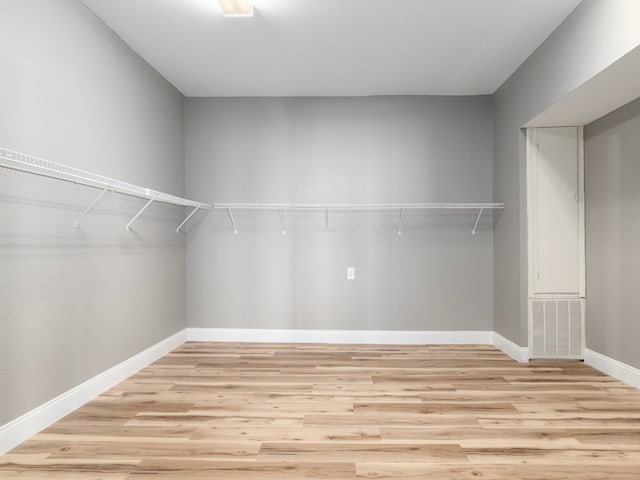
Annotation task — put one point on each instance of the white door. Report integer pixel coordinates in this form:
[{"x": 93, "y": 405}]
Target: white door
[{"x": 556, "y": 210}]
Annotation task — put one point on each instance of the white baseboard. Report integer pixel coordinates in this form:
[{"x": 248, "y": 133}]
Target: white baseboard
[
  {"x": 27, "y": 425},
  {"x": 391, "y": 337},
  {"x": 518, "y": 353},
  {"x": 615, "y": 368}
]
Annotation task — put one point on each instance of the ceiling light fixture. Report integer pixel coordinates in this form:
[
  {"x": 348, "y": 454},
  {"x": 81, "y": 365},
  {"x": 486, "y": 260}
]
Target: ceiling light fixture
[{"x": 237, "y": 8}]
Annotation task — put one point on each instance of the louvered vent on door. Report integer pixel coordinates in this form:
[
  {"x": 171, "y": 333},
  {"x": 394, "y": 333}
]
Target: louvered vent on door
[{"x": 556, "y": 328}]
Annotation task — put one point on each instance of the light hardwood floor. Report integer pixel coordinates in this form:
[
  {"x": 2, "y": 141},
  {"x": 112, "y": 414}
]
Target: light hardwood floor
[{"x": 281, "y": 411}]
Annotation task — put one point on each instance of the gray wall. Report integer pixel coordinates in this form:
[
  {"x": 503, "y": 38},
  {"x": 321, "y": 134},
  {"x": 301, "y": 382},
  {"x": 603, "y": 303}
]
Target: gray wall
[
  {"x": 75, "y": 302},
  {"x": 612, "y": 195},
  {"x": 366, "y": 149},
  {"x": 597, "y": 33}
]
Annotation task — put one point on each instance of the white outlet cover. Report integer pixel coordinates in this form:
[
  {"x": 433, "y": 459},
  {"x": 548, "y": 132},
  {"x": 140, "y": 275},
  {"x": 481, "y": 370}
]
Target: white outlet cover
[{"x": 351, "y": 273}]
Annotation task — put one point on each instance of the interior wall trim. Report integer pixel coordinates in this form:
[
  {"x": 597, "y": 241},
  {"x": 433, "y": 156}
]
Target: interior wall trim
[
  {"x": 390, "y": 337},
  {"x": 614, "y": 368},
  {"x": 515, "y": 351},
  {"x": 17, "y": 431}
]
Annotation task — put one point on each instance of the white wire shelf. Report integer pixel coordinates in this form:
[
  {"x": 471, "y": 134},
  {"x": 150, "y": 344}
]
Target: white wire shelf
[
  {"x": 38, "y": 166},
  {"x": 356, "y": 206},
  {"x": 345, "y": 207}
]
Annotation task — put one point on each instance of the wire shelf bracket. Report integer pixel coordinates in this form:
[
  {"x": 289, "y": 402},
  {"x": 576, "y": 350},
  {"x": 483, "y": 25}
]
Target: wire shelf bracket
[
  {"x": 281, "y": 215},
  {"x": 345, "y": 207},
  {"x": 326, "y": 221},
  {"x": 399, "y": 229},
  {"x": 26, "y": 163},
  {"x": 475, "y": 225},
  {"x": 187, "y": 219},
  {"x": 233, "y": 222},
  {"x": 90, "y": 207},
  {"x": 147, "y": 205}
]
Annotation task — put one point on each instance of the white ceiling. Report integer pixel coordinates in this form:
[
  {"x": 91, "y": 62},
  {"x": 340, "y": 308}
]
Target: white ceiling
[{"x": 335, "y": 47}]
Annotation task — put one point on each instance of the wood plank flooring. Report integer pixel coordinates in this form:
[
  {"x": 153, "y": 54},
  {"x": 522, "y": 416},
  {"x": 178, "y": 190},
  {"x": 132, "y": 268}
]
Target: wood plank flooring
[{"x": 281, "y": 411}]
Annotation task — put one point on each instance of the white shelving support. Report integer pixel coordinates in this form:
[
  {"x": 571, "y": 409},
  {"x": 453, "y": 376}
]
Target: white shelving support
[
  {"x": 187, "y": 219},
  {"x": 281, "y": 215},
  {"x": 88, "y": 209},
  {"x": 399, "y": 229},
  {"x": 475, "y": 225},
  {"x": 233, "y": 222},
  {"x": 326, "y": 207},
  {"x": 326, "y": 221},
  {"x": 38, "y": 166},
  {"x": 151, "y": 200}
]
